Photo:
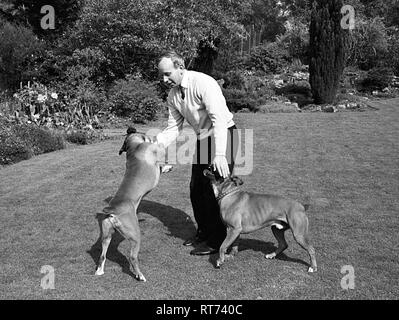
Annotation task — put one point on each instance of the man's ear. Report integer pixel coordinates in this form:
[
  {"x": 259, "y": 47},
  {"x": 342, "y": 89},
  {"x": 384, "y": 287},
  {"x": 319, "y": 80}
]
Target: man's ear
[{"x": 237, "y": 181}]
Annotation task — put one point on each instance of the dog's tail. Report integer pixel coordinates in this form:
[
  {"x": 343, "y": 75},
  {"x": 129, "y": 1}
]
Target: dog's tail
[{"x": 306, "y": 206}]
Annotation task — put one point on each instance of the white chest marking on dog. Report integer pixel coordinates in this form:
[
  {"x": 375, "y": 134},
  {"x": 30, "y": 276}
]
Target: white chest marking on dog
[{"x": 278, "y": 226}]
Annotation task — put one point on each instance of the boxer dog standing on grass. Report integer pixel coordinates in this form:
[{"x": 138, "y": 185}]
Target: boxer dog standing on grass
[
  {"x": 244, "y": 212},
  {"x": 141, "y": 176}
]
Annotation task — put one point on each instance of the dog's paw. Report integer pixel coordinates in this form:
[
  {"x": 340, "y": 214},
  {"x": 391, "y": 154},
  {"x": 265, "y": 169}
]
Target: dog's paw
[
  {"x": 166, "y": 168},
  {"x": 270, "y": 255},
  {"x": 99, "y": 272},
  {"x": 312, "y": 269},
  {"x": 228, "y": 256},
  {"x": 218, "y": 264},
  {"x": 140, "y": 277}
]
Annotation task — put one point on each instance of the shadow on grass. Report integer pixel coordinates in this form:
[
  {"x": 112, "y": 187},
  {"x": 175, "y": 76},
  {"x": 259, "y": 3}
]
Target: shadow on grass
[
  {"x": 262, "y": 246},
  {"x": 178, "y": 223}
]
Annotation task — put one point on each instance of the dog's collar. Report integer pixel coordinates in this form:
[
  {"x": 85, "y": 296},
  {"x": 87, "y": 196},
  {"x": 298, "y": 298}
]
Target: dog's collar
[{"x": 223, "y": 194}]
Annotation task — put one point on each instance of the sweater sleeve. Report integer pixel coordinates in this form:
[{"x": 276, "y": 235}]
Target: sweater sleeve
[
  {"x": 174, "y": 127},
  {"x": 215, "y": 104}
]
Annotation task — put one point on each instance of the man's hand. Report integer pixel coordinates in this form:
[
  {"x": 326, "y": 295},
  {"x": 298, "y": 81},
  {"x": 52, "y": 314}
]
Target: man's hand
[
  {"x": 220, "y": 164},
  {"x": 154, "y": 139}
]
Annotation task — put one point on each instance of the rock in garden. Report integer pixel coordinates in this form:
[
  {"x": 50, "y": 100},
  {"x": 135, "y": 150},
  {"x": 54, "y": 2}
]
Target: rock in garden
[
  {"x": 352, "y": 105},
  {"x": 329, "y": 108}
]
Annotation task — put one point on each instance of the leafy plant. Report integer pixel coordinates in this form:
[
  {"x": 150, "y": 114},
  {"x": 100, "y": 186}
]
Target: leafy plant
[
  {"x": 135, "y": 98},
  {"x": 22, "y": 141},
  {"x": 376, "y": 79},
  {"x": 38, "y": 139},
  {"x": 44, "y": 106},
  {"x": 12, "y": 148},
  {"x": 296, "y": 40},
  {"x": 38, "y": 103},
  {"x": 269, "y": 58},
  {"x": 393, "y": 49},
  {"x": 18, "y": 48},
  {"x": 368, "y": 43},
  {"x": 132, "y": 34},
  {"x": 237, "y": 99},
  {"x": 83, "y": 136}
]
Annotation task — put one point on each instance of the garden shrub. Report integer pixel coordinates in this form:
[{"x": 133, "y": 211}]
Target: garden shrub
[
  {"x": 83, "y": 136},
  {"x": 299, "y": 92},
  {"x": 21, "y": 141},
  {"x": 296, "y": 40},
  {"x": 298, "y": 66},
  {"x": 241, "y": 99},
  {"x": 367, "y": 44},
  {"x": 236, "y": 99},
  {"x": 12, "y": 148},
  {"x": 393, "y": 49},
  {"x": 78, "y": 90},
  {"x": 376, "y": 79},
  {"x": 136, "y": 99},
  {"x": 269, "y": 58},
  {"x": 227, "y": 61},
  {"x": 234, "y": 79},
  {"x": 77, "y": 137},
  {"x": 259, "y": 84},
  {"x": 277, "y": 107},
  {"x": 39, "y": 139},
  {"x": 18, "y": 48},
  {"x": 299, "y": 87}
]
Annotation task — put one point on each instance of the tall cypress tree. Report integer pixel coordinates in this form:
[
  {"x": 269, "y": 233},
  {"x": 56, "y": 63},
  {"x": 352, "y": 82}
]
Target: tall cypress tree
[{"x": 327, "y": 49}]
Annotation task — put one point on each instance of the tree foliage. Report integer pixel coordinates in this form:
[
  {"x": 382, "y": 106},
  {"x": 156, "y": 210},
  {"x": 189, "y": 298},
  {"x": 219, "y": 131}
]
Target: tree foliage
[
  {"x": 133, "y": 33},
  {"x": 327, "y": 51},
  {"x": 18, "y": 48},
  {"x": 28, "y": 13}
]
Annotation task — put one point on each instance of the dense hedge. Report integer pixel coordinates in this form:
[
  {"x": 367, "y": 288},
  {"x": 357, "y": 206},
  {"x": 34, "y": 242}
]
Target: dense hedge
[
  {"x": 21, "y": 142},
  {"x": 136, "y": 99}
]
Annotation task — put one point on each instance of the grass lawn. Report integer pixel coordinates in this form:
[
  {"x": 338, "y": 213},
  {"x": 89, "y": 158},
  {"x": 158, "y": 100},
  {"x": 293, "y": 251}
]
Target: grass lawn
[{"x": 346, "y": 165}]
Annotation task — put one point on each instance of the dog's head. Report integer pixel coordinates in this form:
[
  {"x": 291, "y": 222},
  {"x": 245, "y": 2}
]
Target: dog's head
[
  {"x": 133, "y": 140},
  {"x": 220, "y": 184}
]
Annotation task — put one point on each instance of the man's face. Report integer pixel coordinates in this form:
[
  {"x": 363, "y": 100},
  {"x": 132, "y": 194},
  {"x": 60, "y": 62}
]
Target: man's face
[{"x": 171, "y": 75}]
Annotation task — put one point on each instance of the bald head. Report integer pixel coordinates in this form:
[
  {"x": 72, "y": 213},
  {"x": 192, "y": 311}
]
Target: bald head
[{"x": 171, "y": 68}]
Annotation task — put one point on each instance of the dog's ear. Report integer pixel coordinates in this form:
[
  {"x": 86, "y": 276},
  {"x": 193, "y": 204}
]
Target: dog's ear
[
  {"x": 237, "y": 181},
  {"x": 131, "y": 130},
  {"x": 123, "y": 148}
]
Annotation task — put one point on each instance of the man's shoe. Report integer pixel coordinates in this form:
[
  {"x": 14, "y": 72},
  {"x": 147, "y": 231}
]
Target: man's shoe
[
  {"x": 203, "y": 250},
  {"x": 193, "y": 241}
]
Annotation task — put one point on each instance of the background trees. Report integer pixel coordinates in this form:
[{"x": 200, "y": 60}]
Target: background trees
[
  {"x": 327, "y": 51},
  {"x": 98, "y": 64},
  {"x": 96, "y": 43}
]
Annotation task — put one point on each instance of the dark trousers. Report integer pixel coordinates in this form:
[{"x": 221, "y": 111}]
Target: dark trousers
[{"x": 205, "y": 207}]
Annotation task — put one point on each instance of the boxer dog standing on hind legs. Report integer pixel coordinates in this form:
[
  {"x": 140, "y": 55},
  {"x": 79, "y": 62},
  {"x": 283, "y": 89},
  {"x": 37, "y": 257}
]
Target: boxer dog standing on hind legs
[
  {"x": 141, "y": 176},
  {"x": 244, "y": 212}
]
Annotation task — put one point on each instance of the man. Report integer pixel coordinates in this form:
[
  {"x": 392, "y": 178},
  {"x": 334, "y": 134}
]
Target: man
[{"x": 198, "y": 99}]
